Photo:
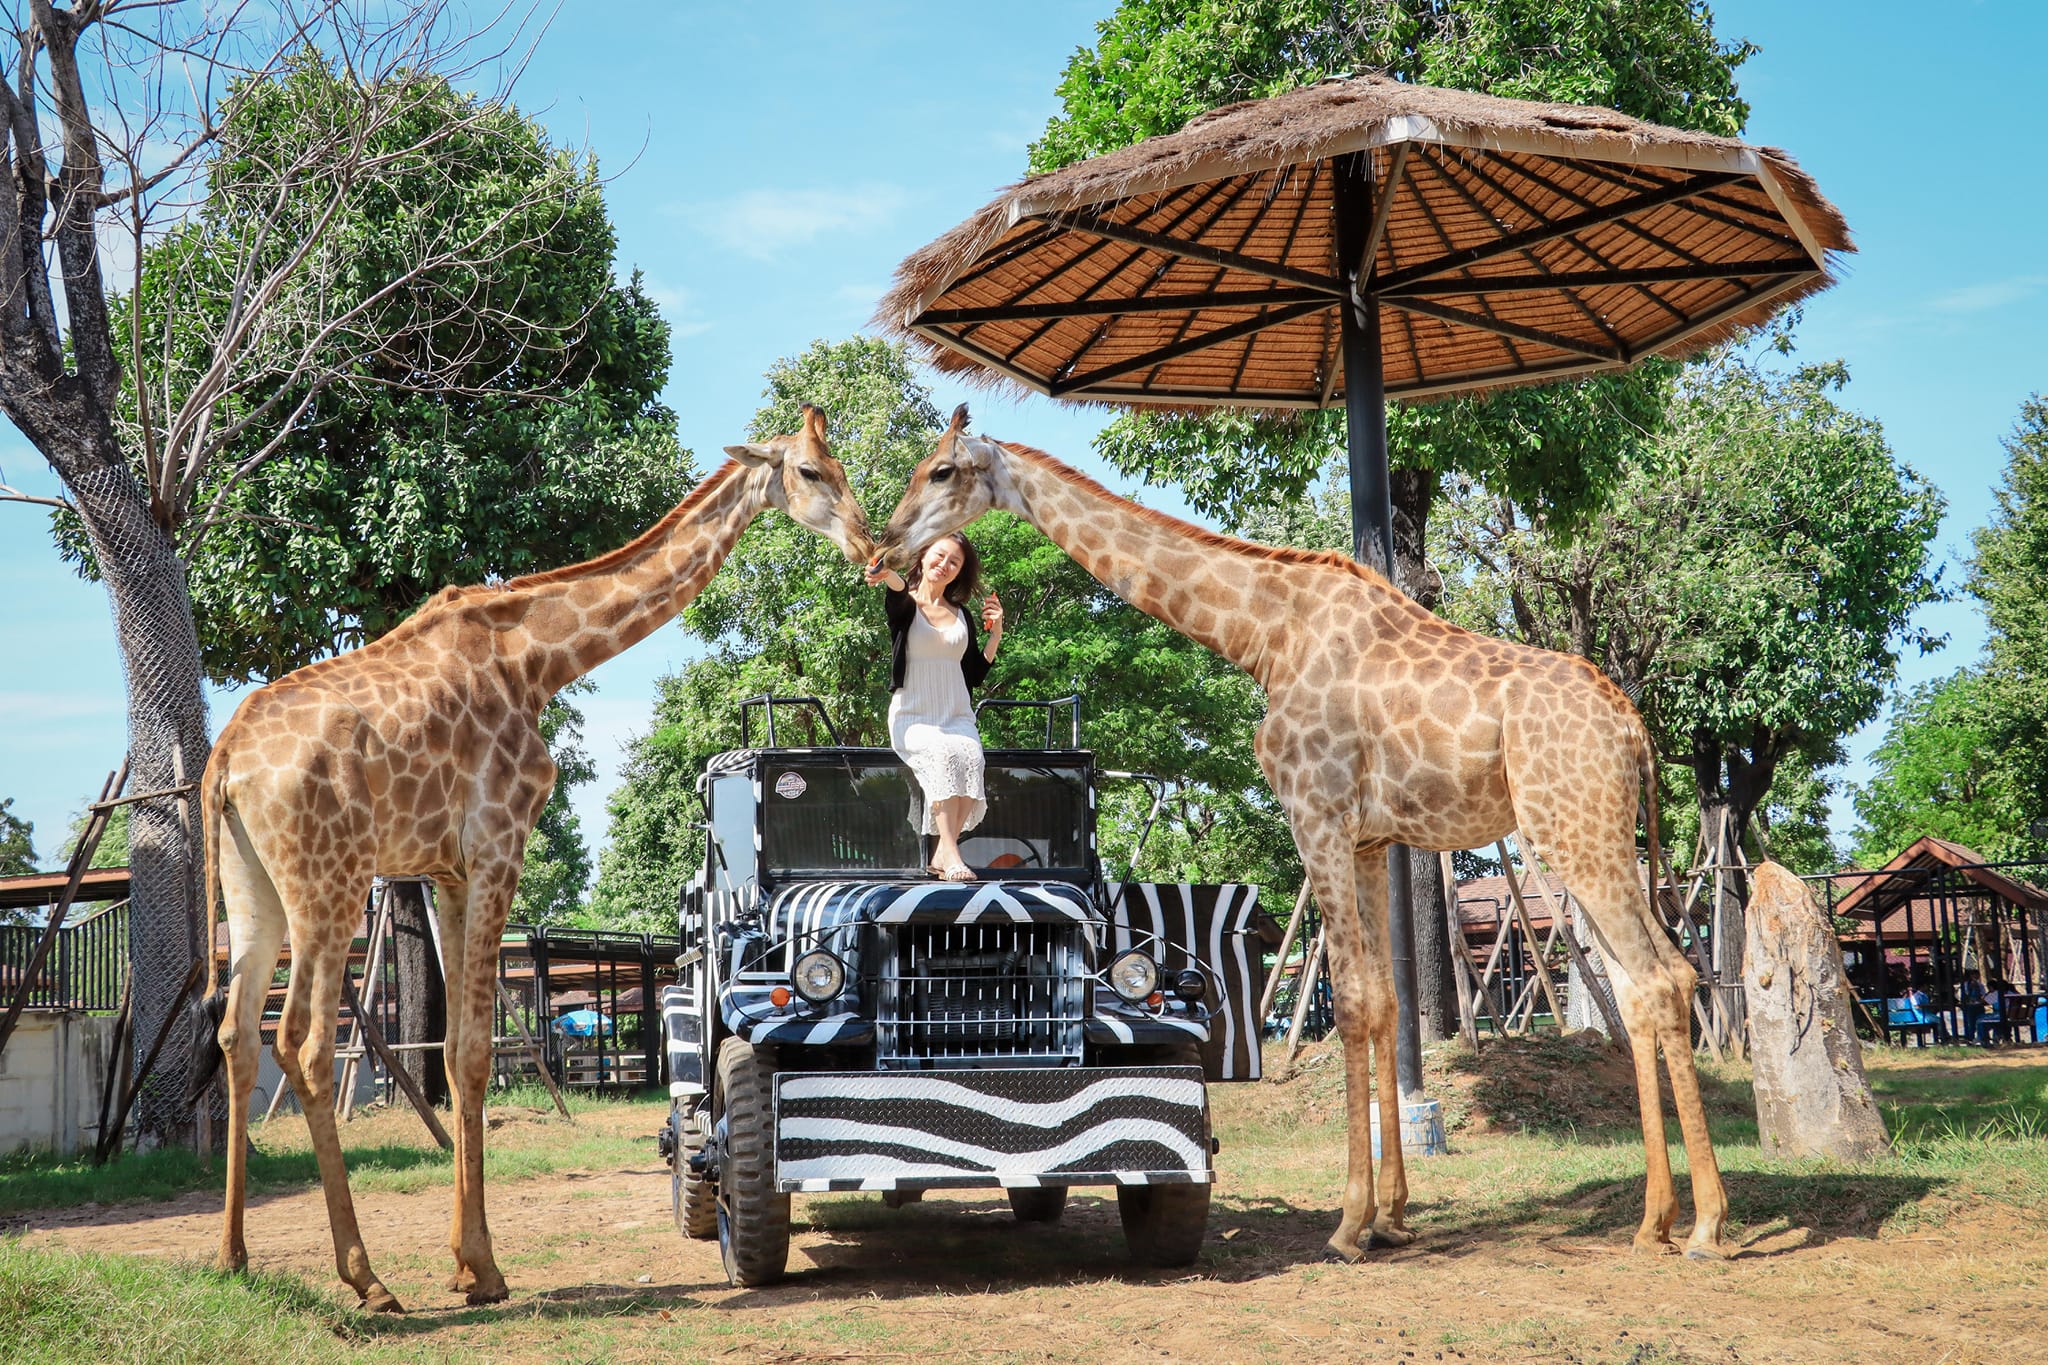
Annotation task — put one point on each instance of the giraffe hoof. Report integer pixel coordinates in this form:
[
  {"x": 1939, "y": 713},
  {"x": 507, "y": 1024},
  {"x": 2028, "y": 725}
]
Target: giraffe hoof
[
  {"x": 459, "y": 1282},
  {"x": 1391, "y": 1236},
  {"x": 1654, "y": 1246},
  {"x": 1706, "y": 1251},
  {"x": 1333, "y": 1250},
  {"x": 232, "y": 1265},
  {"x": 482, "y": 1294},
  {"x": 381, "y": 1300}
]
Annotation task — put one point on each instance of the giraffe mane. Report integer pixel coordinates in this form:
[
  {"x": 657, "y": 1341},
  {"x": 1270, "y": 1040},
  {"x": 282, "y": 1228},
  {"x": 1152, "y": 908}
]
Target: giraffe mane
[
  {"x": 1212, "y": 540},
  {"x": 610, "y": 560}
]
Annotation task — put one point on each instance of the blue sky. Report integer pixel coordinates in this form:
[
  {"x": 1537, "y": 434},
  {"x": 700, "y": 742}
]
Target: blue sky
[{"x": 771, "y": 164}]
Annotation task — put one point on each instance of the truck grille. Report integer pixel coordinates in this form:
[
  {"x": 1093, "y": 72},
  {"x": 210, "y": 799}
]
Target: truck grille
[{"x": 991, "y": 994}]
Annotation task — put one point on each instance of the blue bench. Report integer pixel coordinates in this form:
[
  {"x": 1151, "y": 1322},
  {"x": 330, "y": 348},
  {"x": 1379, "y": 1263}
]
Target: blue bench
[{"x": 1916, "y": 1023}]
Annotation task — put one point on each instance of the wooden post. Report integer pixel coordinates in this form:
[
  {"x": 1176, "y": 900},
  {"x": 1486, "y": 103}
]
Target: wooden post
[
  {"x": 122, "y": 1023},
  {"x": 373, "y": 979},
  {"x": 540, "y": 1059},
  {"x": 110, "y": 1142},
  {"x": 1468, "y": 1024},
  {"x": 1311, "y": 970},
  {"x": 375, "y": 1037},
  {"x": 1494, "y": 1006},
  {"x": 1517, "y": 886},
  {"x": 1558, "y": 905},
  {"x": 1280, "y": 958}
]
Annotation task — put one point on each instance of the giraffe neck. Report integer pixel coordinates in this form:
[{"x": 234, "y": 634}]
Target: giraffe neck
[
  {"x": 578, "y": 617},
  {"x": 1231, "y": 595}
]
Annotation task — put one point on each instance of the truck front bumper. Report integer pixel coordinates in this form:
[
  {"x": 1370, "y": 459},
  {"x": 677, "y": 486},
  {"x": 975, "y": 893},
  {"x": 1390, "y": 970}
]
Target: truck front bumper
[{"x": 1011, "y": 1128}]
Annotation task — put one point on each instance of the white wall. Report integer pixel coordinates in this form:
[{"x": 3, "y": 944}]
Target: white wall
[{"x": 51, "y": 1075}]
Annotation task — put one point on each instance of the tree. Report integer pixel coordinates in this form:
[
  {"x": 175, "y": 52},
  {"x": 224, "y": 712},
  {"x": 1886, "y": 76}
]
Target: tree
[
  {"x": 17, "y": 842},
  {"x": 115, "y": 108},
  {"x": 2009, "y": 575},
  {"x": 1942, "y": 769},
  {"x": 1555, "y": 450},
  {"x": 784, "y": 615}
]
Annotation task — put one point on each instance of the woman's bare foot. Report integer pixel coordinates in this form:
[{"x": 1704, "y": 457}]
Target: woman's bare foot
[{"x": 953, "y": 872}]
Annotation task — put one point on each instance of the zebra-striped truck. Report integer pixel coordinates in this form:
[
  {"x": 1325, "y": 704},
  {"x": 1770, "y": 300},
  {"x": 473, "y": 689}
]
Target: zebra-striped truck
[{"x": 844, "y": 1021}]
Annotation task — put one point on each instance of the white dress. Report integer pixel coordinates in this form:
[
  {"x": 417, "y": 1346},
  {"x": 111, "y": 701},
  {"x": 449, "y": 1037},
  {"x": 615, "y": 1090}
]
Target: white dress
[{"x": 931, "y": 719}]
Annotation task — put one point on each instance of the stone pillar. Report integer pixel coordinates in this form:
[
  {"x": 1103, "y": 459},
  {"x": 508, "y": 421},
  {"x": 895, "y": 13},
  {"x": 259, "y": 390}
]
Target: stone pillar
[{"x": 1811, "y": 1095}]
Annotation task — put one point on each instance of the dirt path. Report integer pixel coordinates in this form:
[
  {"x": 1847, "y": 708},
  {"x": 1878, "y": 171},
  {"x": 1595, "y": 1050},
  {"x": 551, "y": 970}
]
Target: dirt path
[{"x": 957, "y": 1278}]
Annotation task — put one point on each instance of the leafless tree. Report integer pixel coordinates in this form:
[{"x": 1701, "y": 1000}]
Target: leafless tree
[{"x": 116, "y": 117}]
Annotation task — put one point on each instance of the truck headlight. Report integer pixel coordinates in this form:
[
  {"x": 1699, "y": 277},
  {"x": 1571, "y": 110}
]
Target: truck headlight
[
  {"x": 1134, "y": 976},
  {"x": 818, "y": 976}
]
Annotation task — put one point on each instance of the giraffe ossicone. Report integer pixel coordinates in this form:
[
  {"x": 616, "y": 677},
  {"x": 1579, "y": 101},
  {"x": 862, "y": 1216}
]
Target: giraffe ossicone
[
  {"x": 1386, "y": 724},
  {"x": 420, "y": 754}
]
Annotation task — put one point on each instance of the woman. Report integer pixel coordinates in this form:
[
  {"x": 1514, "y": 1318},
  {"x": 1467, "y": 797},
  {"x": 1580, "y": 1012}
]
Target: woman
[{"x": 931, "y": 720}]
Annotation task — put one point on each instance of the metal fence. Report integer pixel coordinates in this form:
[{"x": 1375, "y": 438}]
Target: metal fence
[{"x": 87, "y": 966}]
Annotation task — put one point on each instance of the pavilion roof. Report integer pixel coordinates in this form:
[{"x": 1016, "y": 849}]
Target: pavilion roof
[{"x": 1905, "y": 878}]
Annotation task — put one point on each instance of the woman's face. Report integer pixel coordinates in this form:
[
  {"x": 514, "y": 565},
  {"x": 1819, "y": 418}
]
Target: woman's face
[{"x": 942, "y": 561}]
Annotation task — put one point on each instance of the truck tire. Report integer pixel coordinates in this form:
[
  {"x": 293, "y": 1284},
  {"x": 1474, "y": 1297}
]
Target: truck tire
[
  {"x": 753, "y": 1218},
  {"x": 1039, "y": 1203},
  {"x": 1164, "y": 1224},
  {"x": 696, "y": 1203}
]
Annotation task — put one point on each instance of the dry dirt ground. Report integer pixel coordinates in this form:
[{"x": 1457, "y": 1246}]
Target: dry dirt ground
[{"x": 1514, "y": 1262}]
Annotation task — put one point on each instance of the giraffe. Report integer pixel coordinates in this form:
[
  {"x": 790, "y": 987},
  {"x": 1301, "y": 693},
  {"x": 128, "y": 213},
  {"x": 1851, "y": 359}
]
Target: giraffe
[
  {"x": 1386, "y": 724},
  {"x": 420, "y": 753}
]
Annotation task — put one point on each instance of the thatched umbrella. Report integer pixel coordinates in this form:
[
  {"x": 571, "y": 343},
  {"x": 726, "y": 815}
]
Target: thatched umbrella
[{"x": 1485, "y": 242}]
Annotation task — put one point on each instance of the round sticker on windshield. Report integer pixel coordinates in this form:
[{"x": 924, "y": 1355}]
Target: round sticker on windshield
[{"x": 790, "y": 785}]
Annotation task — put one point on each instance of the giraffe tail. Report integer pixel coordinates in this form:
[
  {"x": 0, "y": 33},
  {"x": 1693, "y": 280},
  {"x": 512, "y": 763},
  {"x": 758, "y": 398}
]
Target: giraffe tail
[{"x": 203, "y": 1017}]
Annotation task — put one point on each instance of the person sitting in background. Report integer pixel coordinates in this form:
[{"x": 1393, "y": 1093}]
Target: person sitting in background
[
  {"x": 1992, "y": 1027},
  {"x": 1971, "y": 997},
  {"x": 1921, "y": 1010}
]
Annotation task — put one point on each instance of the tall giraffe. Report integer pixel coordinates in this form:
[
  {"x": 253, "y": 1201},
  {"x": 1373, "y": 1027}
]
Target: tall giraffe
[
  {"x": 420, "y": 753},
  {"x": 1385, "y": 724}
]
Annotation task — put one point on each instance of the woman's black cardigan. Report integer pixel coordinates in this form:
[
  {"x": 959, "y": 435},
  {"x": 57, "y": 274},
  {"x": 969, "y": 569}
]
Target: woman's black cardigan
[{"x": 901, "y": 610}]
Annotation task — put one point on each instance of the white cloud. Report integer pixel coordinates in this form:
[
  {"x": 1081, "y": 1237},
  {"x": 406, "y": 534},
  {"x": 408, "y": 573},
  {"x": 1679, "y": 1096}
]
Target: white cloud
[
  {"x": 678, "y": 306},
  {"x": 763, "y": 224},
  {"x": 1980, "y": 298}
]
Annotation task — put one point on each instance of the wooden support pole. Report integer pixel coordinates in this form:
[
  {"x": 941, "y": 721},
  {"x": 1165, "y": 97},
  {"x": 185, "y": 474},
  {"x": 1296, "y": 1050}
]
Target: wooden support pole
[
  {"x": 1311, "y": 970},
  {"x": 1518, "y": 888},
  {"x": 1665, "y": 877},
  {"x": 1558, "y": 907},
  {"x": 1468, "y": 1024},
  {"x": 540, "y": 1058},
  {"x": 123, "y": 1021},
  {"x": 375, "y": 1037},
  {"x": 110, "y": 1142},
  {"x": 373, "y": 980},
  {"x": 1286, "y": 946}
]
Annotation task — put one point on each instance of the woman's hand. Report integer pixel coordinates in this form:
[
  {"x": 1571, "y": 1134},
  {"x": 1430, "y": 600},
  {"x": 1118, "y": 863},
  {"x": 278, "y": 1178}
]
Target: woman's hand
[
  {"x": 992, "y": 622},
  {"x": 878, "y": 575}
]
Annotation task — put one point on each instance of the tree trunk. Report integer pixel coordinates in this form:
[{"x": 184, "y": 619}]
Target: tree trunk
[
  {"x": 167, "y": 745},
  {"x": 422, "y": 991},
  {"x": 1435, "y": 982}
]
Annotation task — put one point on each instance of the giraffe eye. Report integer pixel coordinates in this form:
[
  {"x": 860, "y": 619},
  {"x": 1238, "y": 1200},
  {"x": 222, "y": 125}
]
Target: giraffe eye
[
  {"x": 942, "y": 473},
  {"x": 809, "y": 473}
]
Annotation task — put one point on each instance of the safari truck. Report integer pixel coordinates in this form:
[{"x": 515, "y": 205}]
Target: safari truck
[{"x": 845, "y": 1021}]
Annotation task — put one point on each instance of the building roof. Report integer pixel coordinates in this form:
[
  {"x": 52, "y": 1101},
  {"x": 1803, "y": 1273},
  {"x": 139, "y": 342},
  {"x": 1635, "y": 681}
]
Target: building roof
[
  {"x": 1905, "y": 879},
  {"x": 43, "y": 888}
]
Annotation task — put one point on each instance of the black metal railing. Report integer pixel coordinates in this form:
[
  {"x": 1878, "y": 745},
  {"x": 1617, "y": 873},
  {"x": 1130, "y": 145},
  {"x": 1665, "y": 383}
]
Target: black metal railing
[
  {"x": 981, "y": 993},
  {"x": 87, "y": 966}
]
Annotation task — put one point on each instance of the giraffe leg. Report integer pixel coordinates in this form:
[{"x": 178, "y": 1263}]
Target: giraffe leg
[
  {"x": 450, "y": 898},
  {"x": 1709, "y": 1197},
  {"x": 256, "y": 924},
  {"x": 1327, "y": 853},
  {"x": 1643, "y": 1012},
  {"x": 1390, "y": 1226},
  {"x": 305, "y": 1050},
  {"x": 476, "y": 915}
]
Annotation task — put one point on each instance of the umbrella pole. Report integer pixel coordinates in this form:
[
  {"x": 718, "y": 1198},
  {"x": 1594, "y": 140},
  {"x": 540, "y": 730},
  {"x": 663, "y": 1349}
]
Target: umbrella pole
[{"x": 1372, "y": 536}]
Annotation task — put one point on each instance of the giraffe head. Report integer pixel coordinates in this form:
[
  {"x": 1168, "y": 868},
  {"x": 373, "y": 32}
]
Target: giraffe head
[
  {"x": 805, "y": 481},
  {"x": 962, "y": 478}
]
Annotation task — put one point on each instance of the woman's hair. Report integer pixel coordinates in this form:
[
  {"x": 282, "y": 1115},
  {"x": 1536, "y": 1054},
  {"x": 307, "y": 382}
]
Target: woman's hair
[{"x": 965, "y": 583}]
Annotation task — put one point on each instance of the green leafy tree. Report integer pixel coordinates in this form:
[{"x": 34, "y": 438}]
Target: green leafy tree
[
  {"x": 786, "y": 615},
  {"x": 1942, "y": 769},
  {"x": 17, "y": 842},
  {"x": 2009, "y": 576},
  {"x": 1556, "y": 450}
]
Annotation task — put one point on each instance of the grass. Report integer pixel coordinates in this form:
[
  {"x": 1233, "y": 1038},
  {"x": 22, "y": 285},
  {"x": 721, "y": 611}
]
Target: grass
[{"x": 386, "y": 1149}]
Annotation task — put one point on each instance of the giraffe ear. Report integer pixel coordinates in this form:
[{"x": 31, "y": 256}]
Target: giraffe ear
[
  {"x": 814, "y": 420},
  {"x": 959, "y": 424},
  {"x": 753, "y": 455}
]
